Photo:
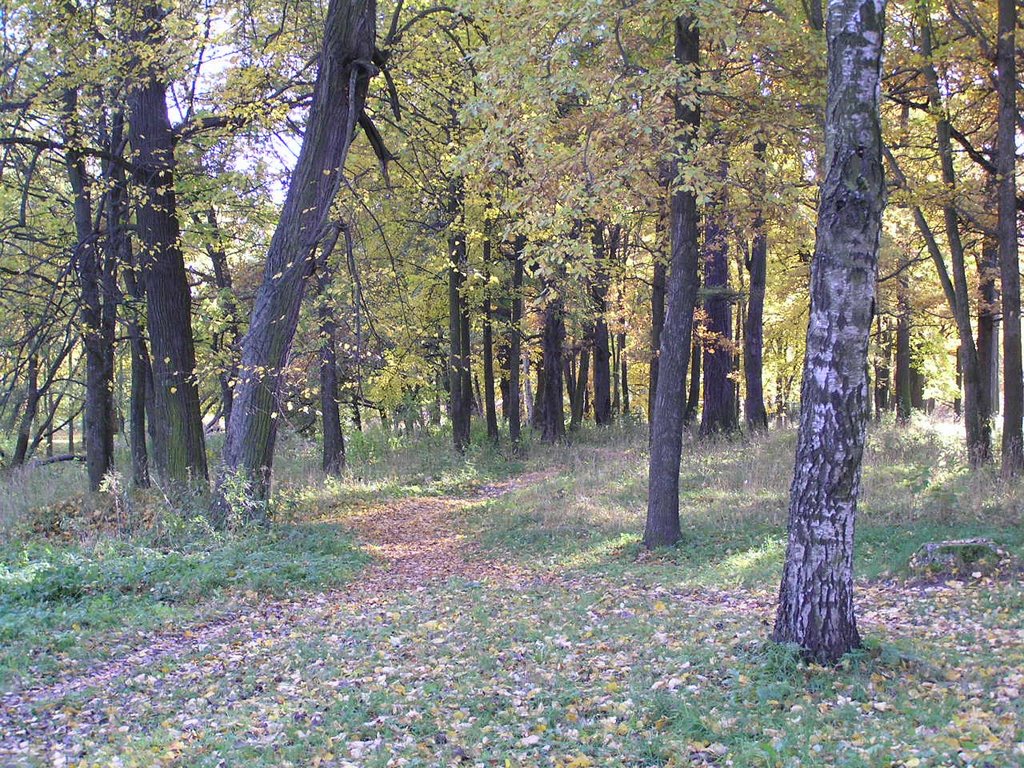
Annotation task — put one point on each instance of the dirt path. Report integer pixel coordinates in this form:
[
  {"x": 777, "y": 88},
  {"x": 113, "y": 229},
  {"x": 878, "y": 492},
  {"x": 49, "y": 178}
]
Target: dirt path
[{"x": 415, "y": 542}]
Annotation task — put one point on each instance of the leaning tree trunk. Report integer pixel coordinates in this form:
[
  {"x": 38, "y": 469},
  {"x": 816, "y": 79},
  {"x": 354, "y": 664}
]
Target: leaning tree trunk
[
  {"x": 816, "y": 598},
  {"x": 342, "y": 80},
  {"x": 1009, "y": 264},
  {"x": 225, "y": 341},
  {"x": 753, "y": 328},
  {"x": 977, "y": 421},
  {"x": 179, "y": 450},
  {"x": 28, "y": 415},
  {"x": 662, "y": 525}
]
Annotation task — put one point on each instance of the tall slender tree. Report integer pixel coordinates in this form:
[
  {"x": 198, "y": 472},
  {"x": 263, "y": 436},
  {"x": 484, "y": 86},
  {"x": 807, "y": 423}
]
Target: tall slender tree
[
  {"x": 662, "y": 526},
  {"x": 1009, "y": 263},
  {"x": 816, "y": 610}
]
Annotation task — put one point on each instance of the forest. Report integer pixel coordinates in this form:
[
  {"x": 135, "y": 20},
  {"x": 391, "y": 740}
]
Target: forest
[{"x": 570, "y": 384}]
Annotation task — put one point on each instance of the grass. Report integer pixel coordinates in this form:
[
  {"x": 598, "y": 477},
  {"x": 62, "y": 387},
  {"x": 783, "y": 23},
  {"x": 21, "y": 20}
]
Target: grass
[
  {"x": 67, "y": 602},
  {"x": 596, "y": 655},
  {"x": 588, "y": 509}
]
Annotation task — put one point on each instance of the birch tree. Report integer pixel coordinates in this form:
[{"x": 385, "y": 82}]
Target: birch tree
[{"x": 816, "y": 597}]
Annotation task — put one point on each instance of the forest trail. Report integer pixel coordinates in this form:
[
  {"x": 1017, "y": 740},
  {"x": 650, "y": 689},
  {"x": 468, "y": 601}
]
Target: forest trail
[{"x": 415, "y": 542}]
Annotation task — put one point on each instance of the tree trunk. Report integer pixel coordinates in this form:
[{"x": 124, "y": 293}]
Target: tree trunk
[
  {"x": 179, "y": 450},
  {"x": 459, "y": 384},
  {"x": 603, "y": 254},
  {"x": 515, "y": 344},
  {"x": 657, "y": 324},
  {"x": 904, "y": 396},
  {"x": 988, "y": 324},
  {"x": 816, "y": 596},
  {"x": 550, "y": 384},
  {"x": 977, "y": 421},
  {"x": 883, "y": 355},
  {"x": 490, "y": 406},
  {"x": 339, "y": 93},
  {"x": 28, "y": 415},
  {"x": 1009, "y": 264},
  {"x": 97, "y": 320},
  {"x": 719, "y": 413},
  {"x": 225, "y": 341},
  {"x": 330, "y": 396},
  {"x": 662, "y": 525},
  {"x": 623, "y": 372},
  {"x": 753, "y": 329},
  {"x": 578, "y": 396},
  {"x": 693, "y": 393}
]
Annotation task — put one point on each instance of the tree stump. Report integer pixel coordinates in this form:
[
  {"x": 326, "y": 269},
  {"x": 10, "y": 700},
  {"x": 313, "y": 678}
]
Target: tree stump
[{"x": 960, "y": 557}]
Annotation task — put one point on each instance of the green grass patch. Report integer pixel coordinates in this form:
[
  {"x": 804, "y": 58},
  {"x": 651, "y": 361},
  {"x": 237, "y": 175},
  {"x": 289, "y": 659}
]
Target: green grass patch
[{"x": 70, "y": 600}]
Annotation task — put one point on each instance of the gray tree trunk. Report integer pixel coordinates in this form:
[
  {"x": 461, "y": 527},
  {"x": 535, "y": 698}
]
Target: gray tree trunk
[
  {"x": 179, "y": 450},
  {"x": 753, "y": 327},
  {"x": 339, "y": 93},
  {"x": 1009, "y": 264},
  {"x": 662, "y": 525},
  {"x": 816, "y": 597}
]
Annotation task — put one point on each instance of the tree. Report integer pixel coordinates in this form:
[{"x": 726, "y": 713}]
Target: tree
[
  {"x": 662, "y": 526},
  {"x": 756, "y": 263},
  {"x": 179, "y": 449},
  {"x": 1009, "y": 264},
  {"x": 719, "y": 412},
  {"x": 343, "y": 76},
  {"x": 816, "y": 610}
]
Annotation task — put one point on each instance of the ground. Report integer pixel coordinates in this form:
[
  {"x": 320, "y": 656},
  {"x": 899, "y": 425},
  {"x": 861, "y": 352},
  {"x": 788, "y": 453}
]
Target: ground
[{"x": 503, "y": 615}]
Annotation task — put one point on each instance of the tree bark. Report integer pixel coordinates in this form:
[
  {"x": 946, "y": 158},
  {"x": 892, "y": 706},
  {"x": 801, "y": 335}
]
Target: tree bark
[
  {"x": 662, "y": 525},
  {"x": 816, "y": 610},
  {"x": 693, "y": 390},
  {"x": 754, "y": 410},
  {"x": 179, "y": 450},
  {"x": 97, "y": 319},
  {"x": 623, "y": 372},
  {"x": 459, "y": 383},
  {"x": 490, "y": 406},
  {"x": 225, "y": 341},
  {"x": 578, "y": 393},
  {"x": 550, "y": 386},
  {"x": 657, "y": 323},
  {"x": 977, "y": 422},
  {"x": 28, "y": 414},
  {"x": 604, "y": 250},
  {"x": 883, "y": 356},
  {"x": 1009, "y": 263},
  {"x": 904, "y": 395},
  {"x": 339, "y": 94},
  {"x": 987, "y": 334},
  {"x": 513, "y": 409},
  {"x": 330, "y": 397},
  {"x": 121, "y": 254},
  {"x": 719, "y": 412}
]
